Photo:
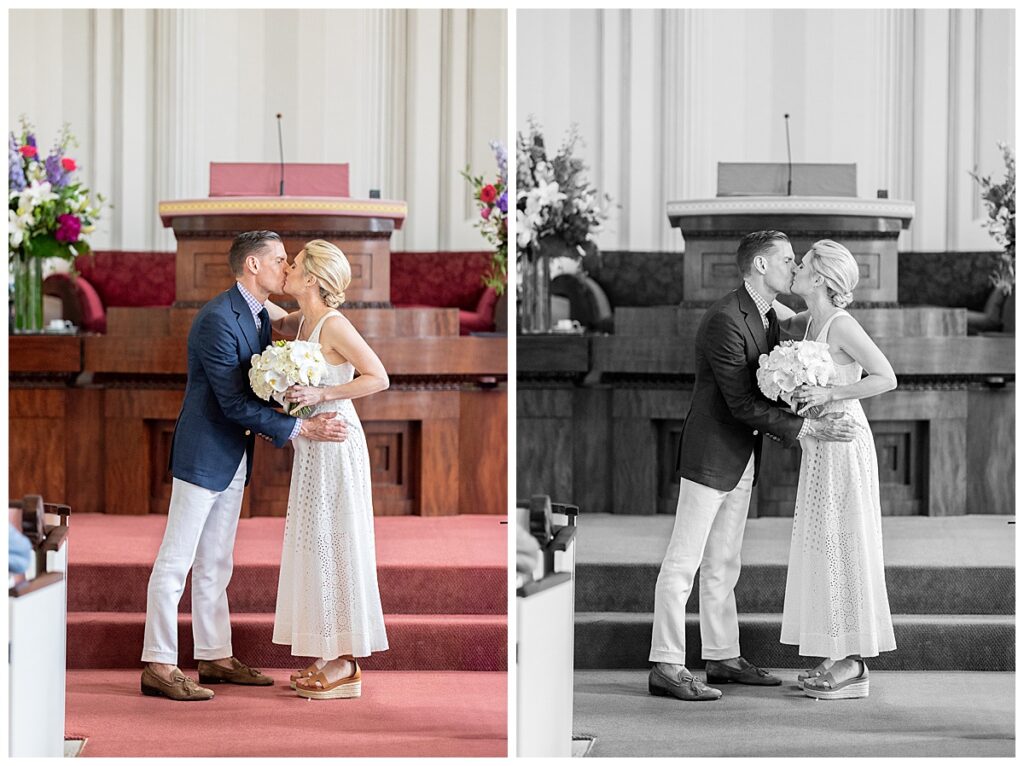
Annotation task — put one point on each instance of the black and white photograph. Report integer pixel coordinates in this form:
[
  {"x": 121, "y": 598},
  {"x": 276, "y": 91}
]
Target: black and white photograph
[{"x": 765, "y": 353}]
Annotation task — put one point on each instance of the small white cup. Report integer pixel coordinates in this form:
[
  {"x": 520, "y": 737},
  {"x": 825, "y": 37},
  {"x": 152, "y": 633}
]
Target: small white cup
[{"x": 567, "y": 325}]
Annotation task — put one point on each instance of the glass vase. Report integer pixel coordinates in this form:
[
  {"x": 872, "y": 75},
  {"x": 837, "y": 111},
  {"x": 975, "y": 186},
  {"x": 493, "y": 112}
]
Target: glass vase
[
  {"x": 28, "y": 292},
  {"x": 535, "y": 297}
]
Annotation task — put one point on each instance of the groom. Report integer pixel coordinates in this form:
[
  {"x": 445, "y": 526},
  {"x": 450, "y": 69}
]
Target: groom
[
  {"x": 718, "y": 462},
  {"x": 211, "y": 461}
]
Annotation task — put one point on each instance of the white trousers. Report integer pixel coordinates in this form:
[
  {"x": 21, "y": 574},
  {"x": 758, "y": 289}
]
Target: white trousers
[
  {"x": 708, "y": 534},
  {"x": 200, "y": 536}
]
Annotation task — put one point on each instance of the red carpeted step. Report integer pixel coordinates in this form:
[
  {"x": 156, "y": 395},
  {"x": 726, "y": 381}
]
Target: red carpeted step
[
  {"x": 412, "y": 589},
  {"x": 418, "y": 642}
]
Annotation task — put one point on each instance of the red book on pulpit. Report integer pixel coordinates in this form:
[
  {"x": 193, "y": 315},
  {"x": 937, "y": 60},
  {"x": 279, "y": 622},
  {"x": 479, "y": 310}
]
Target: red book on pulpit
[{"x": 263, "y": 179}]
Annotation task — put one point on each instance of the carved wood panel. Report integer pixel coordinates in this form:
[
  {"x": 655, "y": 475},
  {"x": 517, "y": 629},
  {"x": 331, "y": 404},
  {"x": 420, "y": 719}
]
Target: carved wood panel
[{"x": 390, "y": 444}]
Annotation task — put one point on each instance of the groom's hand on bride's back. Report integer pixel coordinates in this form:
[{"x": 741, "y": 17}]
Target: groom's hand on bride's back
[
  {"x": 325, "y": 427},
  {"x": 834, "y": 427}
]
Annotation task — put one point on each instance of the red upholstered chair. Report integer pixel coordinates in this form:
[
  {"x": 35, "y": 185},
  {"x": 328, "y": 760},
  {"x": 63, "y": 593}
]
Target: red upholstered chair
[
  {"x": 113, "y": 278},
  {"x": 447, "y": 280},
  {"x": 82, "y": 305}
]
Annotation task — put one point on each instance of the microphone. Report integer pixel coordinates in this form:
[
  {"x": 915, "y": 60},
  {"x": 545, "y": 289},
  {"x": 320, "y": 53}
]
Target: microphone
[
  {"x": 280, "y": 147},
  {"x": 789, "y": 155}
]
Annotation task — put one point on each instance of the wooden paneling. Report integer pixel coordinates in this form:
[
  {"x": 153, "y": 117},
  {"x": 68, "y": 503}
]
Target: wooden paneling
[
  {"x": 552, "y": 353},
  {"x": 423, "y": 322},
  {"x": 160, "y": 434},
  {"x": 909, "y": 356},
  {"x": 138, "y": 322},
  {"x": 990, "y": 441},
  {"x": 85, "y": 453},
  {"x": 544, "y": 443},
  {"x": 483, "y": 451},
  {"x": 947, "y": 467},
  {"x": 593, "y": 440},
  {"x": 438, "y": 477},
  {"x": 401, "y": 356},
  {"x": 127, "y": 474},
  {"x": 390, "y": 445},
  {"x": 635, "y": 466},
  {"x": 36, "y": 452},
  {"x": 44, "y": 353}
]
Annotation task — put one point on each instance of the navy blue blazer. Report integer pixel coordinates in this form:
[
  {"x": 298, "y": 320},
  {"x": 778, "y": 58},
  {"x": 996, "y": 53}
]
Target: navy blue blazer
[
  {"x": 221, "y": 415},
  {"x": 729, "y": 415}
]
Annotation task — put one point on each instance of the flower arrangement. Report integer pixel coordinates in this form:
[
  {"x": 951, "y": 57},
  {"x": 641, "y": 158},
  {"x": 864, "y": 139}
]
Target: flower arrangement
[
  {"x": 792, "y": 364},
  {"x": 50, "y": 211},
  {"x": 1001, "y": 201},
  {"x": 283, "y": 364},
  {"x": 554, "y": 197},
  {"x": 492, "y": 201}
]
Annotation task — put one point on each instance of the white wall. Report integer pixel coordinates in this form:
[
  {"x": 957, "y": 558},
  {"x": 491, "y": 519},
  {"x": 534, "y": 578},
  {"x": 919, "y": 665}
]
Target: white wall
[
  {"x": 406, "y": 97},
  {"x": 915, "y": 97}
]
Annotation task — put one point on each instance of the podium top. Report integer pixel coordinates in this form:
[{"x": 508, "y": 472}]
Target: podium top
[
  {"x": 817, "y": 206},
  {"x": 810, "y": 179},
  {"x": 395, "y": 210},
  {"x": 259, "y": 179}
]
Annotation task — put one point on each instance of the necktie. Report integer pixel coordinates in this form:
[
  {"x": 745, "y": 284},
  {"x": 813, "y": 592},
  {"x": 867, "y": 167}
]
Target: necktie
[
  {"x": 773, "y": 327},
  {"x": 263, "y": 324}
]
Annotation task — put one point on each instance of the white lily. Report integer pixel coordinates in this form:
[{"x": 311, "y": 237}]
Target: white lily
[
  {"x": 19, "y": 226},
  {"x": 36, "y": 194}
]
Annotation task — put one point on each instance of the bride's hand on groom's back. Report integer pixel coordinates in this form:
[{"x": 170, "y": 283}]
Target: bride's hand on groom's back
[{"x": 325, "y": 427}]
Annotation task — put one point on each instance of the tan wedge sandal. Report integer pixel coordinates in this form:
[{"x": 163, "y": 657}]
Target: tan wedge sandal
[
  {"x": 304, "y": 673},
  {"x": 317, "y": 687}
]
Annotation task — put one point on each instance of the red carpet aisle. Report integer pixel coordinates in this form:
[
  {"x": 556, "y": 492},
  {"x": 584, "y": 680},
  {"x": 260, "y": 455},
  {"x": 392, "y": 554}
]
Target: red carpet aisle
[{"x": 440, "y": 690}]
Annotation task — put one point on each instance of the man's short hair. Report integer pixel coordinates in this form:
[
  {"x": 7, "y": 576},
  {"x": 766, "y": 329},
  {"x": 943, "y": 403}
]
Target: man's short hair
[
  {"x": 753, "y": 245},
  {"x": 248, "y": 242}
]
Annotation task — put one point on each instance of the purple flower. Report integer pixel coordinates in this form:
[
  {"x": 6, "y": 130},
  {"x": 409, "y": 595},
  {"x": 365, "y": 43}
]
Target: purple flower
[
  {"x": 15, "y": 172},
  {"x": 501, "y": 156},
  {"x": 68, "y": 228},
  {"x": 30, "y": 139},
  {"x": 503, "y": 202},
  {"x": 55, "y": 172}
]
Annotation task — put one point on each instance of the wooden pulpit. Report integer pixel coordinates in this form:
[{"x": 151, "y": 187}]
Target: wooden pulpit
[
  {"x": 752, "y": 197},
  {"x": 204, "y": 229}
]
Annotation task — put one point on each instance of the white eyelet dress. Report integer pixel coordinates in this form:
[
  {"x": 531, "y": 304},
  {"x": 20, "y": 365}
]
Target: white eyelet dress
[
  {"x": 836, "y": 602},
  {"x": 328, "y": 603}
]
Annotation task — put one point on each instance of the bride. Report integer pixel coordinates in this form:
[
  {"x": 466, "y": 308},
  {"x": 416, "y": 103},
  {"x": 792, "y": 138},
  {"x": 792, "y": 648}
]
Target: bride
[
  {"x": 328, "y": 604},
  {"x": 836, "y": 604}
]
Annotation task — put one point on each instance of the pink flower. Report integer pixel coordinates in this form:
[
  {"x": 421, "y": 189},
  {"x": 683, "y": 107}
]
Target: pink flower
[
  {"x": 485, "y": 213},
  {"x": 68, "y": 164},
  {"x": 68, "y": 228},
  {"x": 28, "y": 151}
]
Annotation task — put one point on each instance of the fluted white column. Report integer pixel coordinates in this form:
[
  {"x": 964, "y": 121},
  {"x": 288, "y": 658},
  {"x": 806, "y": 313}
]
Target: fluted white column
[{"x": 179, "y": 145}]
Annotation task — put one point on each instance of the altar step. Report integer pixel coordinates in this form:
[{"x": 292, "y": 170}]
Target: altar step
[
  {"x": 443, "y": 584},
  {"x": 950, "y": 581},
  {"x": 607, "y": 640},
  {"x": 404, "y": 589},
  {"x": 417, "y": 642},
  {"x": 629, "y": 587}
]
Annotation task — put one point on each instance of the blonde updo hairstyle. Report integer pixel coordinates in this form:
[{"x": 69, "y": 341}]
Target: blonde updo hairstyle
[
  {"x": 331, "y": 269},
  {"x": 839, "y": 269}
]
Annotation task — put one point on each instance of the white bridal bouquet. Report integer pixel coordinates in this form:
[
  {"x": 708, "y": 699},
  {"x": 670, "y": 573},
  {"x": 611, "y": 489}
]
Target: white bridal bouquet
[
  {"x": 283, "y": 364},
  {"x": 792, "y": 364}
]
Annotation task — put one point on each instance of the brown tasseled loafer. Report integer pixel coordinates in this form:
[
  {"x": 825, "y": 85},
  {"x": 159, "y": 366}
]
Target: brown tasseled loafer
[
  {"x": 238, "y": 673},
  {"x": 181, "y": 688}
]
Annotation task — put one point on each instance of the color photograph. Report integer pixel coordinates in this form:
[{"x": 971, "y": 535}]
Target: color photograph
[{"x": 258, "y": 401}]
